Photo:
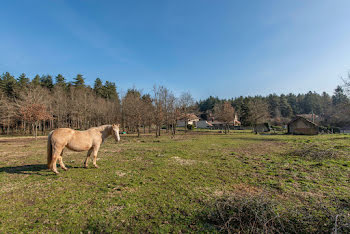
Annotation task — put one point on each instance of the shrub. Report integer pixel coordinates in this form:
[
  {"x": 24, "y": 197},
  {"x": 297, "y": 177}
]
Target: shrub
[
  {"x": 190, "y": 126},
  {"x": 247, "y": 213},
  {"x": 314, "y": 152}
]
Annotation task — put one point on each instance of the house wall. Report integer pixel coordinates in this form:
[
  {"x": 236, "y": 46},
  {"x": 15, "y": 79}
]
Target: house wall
[
  {"x": 303, "y": 128},
  {"x": 181, "y": 123}
]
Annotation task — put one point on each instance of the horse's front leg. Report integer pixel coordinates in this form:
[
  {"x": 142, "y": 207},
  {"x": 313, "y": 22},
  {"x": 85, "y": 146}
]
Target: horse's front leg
[
  {"x": 95, "y": 151},
  {"x": 87, "y": 157}
]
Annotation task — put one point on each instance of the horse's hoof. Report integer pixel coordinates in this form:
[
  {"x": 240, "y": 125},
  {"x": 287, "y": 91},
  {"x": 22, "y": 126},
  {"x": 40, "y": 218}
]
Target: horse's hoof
[
  {"x": 56, "y": 172},
  {"x": 66, "y": 169},
  {"x": 96, "y": 166}
]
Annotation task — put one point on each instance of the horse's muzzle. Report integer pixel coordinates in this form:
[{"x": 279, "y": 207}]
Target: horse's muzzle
[{"x": 116, "y": 137}]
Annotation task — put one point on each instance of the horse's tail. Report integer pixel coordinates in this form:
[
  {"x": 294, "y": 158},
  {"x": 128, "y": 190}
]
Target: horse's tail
[{"x": 49, "y": 149}]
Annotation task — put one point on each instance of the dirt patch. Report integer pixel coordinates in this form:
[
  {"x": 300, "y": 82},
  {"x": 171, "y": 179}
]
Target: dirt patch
[
  {"x": 182, "y": 161},
  {"x": 259, "y": 149},
  {"x": 120, "y": 173},
  {"x": 239, "y": 189}
]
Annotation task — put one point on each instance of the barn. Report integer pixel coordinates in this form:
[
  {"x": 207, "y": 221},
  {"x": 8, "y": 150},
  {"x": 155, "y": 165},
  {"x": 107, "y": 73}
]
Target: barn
[{"x": 302, "y": 126}]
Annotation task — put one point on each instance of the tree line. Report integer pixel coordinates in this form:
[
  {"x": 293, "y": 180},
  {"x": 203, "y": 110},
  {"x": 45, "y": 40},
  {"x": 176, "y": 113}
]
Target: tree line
[
  {"x": 42, "y": 103},
  {"x": 280, "y": 109}
]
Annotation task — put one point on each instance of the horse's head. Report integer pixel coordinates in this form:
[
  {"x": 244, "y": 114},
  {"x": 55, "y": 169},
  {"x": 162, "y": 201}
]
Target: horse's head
[{"x": 115, "y": 132}]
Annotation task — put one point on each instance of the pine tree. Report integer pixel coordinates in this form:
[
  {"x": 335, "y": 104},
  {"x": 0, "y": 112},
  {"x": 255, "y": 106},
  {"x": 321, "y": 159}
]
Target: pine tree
[
  {"x": 79, "y": 81},
  {"x": 9, "y": 84},
  {"x": 245, "y": 113},
  {"x": 46, "y": 81},
  {"x": 285, "y": 108},
  {"x": 110, "y": 90},
  {"x": 339, "y": 97},
  {"x": 36, "y": 80},
  {"x": 23, "y": 81},
  {"x": 98, "y": 87},
  {"x": 273, "y": 102},
  {"x": 60, "y": 80}
]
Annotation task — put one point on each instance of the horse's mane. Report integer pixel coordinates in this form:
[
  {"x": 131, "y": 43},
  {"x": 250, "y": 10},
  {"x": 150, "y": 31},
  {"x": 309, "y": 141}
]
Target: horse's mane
[{"x": 102, "y": 127}]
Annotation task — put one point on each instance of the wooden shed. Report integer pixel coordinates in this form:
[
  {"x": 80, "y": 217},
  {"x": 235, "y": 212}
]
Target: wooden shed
[{"x": 302, "y": 126}]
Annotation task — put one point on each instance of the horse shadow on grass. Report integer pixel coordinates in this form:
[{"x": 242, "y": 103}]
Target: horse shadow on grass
[
  {"x": 38, "y": 169},
  {"x": 25, "y": 169}
]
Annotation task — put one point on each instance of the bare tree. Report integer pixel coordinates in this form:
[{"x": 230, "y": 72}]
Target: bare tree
[
  {"x": 173, "y": 112},
  {"x": 132, "y": 110},
  {"x": 158, "y": 108},
  {"x": 258, "y": 111},
  {"x": 226, "y": 113},
  {"x": 7, "y": 113},
  {"x": 33, "y": 107},
  {"x": 185, "y": 102},
  {"x": 34, "y": 113},
  {"x": 147, "y": 110}
]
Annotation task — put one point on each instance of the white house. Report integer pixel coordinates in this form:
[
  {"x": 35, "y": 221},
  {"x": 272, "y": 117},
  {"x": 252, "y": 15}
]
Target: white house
[{"x": 192, "y": 119}]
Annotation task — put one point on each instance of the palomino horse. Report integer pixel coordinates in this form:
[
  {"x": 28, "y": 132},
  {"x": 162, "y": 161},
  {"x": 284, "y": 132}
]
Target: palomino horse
[{"x": 90, "y": 140}]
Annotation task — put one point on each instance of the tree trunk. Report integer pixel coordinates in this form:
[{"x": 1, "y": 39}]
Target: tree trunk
[{"x": 36, "y": 130}]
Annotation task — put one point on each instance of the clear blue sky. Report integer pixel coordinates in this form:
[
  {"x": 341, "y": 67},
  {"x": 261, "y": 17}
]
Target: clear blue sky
[{"x": 223, "y": 48}]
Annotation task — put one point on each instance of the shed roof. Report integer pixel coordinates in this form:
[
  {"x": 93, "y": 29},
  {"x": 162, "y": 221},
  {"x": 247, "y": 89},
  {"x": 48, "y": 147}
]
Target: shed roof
[
  {"x": 304, "y": 119},
  {"x": 190, "y": 116}
]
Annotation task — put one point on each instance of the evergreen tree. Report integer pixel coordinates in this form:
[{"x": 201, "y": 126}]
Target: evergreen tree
[
  {"x": 245, "y": 113},
  {"x": 9, "y": 84},
  {"x": 36, "y": 80},
  {"x": 273, "y": 103},
  {"x": 46, "y": 81},
  {"x": 237, "y": 104},
  {"x": 98, "y": 87},
  {"x": 60, "y": 80},
  {"x": 208, "y": 104},
  {"x": 293, "y": 102},
  {"x": 23, "y": 81},
  {"x": 110, "y": 90},
  {"x": 339, "y": 97},
  {"x": 79, "y": 81},
  {"x": 2, "y": 85},
  {"x": 285, "y": 108}
]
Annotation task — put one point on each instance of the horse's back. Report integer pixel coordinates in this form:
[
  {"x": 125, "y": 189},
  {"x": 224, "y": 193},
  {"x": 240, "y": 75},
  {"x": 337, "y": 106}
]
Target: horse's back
[{"x": 61, "y": 132}]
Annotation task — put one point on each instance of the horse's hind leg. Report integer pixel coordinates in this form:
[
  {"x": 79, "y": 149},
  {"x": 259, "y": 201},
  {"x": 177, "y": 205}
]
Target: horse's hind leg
[
  {"x": 55, "y": 156},
  {"x": 60, "y": 159},
  {"x": 87, "y": 157}
]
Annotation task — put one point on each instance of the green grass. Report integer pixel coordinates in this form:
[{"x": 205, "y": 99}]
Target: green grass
[{"x": 162, "y": 184}]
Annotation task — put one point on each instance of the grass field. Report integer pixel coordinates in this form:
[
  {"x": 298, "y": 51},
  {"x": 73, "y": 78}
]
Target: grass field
[{"x": 193, "y": 183}]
